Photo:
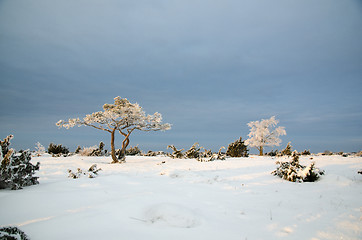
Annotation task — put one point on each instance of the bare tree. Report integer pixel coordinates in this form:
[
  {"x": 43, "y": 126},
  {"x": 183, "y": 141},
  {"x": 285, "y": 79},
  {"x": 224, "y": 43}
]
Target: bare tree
[{"x": 122, "y": 116}]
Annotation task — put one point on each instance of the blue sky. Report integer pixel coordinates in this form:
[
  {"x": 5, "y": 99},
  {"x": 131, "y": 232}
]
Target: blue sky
[{"x": 209, "y": 67}]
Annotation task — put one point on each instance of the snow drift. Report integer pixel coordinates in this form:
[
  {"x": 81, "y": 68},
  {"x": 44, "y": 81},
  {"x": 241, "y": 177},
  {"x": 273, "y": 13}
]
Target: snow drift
[{"x": 164, "y": 198}]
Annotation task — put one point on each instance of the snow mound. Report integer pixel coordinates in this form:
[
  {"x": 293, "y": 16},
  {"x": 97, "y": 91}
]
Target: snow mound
[{"x": 173, "y": 215}]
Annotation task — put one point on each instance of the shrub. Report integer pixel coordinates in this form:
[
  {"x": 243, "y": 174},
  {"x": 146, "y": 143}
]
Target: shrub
[
  {"x": 212, "y": 156},
  {"x": 327, "y": 153},
  {"x": 221, "y": 155},
  {"x": 193, "y": 152},
  {"x": 176, "y": 153},
  {"x": 294, "y": 172},
  {"x": 93, "y": 151},
  {"x": 206, "y": 153},
  {"x": 12, "y": 233},
  {"x": 92, "y": 172},
  {"x": 305, "y": 152},
  {"x": 57, "y": 149},
  {"x": 87, "y": 151},
  {"x": 16, "y": 170},
  {"x": 154, "y": 154},
  {"x": 78, "y": 150},
  {"x": 287, "y": 151},
  {"x": 237, "y": 149},
  {"x": 132, "y": 151},
  {"x": 40, "y": 149},
  {"x": 273, "y": 153},
  {"x": 218, "y": 156}
]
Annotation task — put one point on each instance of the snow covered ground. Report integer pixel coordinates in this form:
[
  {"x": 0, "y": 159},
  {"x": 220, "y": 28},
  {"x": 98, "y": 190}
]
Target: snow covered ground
[{"x": 185, "y": 199}]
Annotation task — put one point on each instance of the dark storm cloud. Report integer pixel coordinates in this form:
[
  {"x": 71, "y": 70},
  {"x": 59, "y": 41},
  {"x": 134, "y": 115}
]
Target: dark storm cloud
[{"x": 208, "y": 66}]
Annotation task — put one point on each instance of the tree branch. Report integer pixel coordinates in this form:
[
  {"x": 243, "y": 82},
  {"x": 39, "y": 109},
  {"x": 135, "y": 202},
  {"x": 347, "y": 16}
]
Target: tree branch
[{"x": 96, "y": 127}]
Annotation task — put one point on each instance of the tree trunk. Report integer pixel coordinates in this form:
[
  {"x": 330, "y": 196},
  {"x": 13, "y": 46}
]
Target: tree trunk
[
  {"x": 113, "y": 150},
  {"x": 261, "y": 151},
  {"x": 122, "y": 153},
  {"x": 125, "y": 142}
]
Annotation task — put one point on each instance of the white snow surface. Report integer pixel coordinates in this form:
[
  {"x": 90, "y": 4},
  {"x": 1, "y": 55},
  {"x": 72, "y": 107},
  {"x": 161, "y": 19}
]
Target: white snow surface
[{"x": 185, "y": 199}]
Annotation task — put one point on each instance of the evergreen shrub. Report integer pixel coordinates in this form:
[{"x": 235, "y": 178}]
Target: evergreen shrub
[
  {"x": 305, "y": 152},
  {"x": 295, "y": 172},
  {"x": 16, "y": 170},
  {"x": 287, "y": 151},
  {"x": 57, "y": 149},
  {"x": 273, "y": 153},
  {"x": 237, "y": 149},
  {"x": 12, "y": 233}
]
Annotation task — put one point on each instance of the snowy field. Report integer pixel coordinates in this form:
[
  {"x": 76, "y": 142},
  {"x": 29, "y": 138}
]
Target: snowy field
[{"x": 163, "y": 198}]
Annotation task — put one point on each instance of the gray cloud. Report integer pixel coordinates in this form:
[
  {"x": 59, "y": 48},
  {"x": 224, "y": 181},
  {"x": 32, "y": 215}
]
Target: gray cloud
[{"x": 209, "y": 67}]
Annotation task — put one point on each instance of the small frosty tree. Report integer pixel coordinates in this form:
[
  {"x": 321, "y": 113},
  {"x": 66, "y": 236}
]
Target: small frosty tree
[
  {"x": 262, "y": 134},
  {"x": 122, "y": 116},
  {"x": 40, "y": 149}
]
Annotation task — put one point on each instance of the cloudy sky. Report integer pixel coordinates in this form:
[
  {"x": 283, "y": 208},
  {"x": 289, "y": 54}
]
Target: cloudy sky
[{"x": 209, "y": 67}]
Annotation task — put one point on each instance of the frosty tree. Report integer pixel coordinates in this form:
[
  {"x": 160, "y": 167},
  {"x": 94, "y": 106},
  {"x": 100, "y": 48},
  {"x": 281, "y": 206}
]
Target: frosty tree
[
  {"x": 122, "y": 116},
  {"x": 262, "y": 134}
]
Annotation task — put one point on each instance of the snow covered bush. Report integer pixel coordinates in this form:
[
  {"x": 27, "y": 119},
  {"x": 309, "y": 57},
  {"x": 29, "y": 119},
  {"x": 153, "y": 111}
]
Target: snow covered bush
[
  {"x": 154, "y": 154},
  {"x": 93, "y": 151},
  {"x": 176, "y": 153},
  {"x": 206, "y": 153},
  {"x": 193, "y": 152},
  {"x": 273, "y": 153},
  {"x": 12, "y": 233},
  {"x": 213, "y": 156},
  {"x": 132, "y": 151},
  {"x": 91, "y": 173},
  {"x": 237, "y": 149},
  {"x": 16, "y": 170},
  {"x": 295, "y": 172},
  {"x": 122, "y": 116},
  {"x": 221, "y": 155},
  {"x": 262, "y": 134},
  {"x": 57, "y": 149},
  {"x": 87, "y": 151}
]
